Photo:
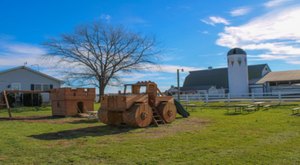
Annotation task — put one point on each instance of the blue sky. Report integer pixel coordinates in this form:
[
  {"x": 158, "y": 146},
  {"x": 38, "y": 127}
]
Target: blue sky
[{"x": 193, "y": 34}]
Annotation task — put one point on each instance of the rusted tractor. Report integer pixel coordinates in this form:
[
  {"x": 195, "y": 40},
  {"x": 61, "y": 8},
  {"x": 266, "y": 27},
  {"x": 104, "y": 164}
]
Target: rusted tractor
[{"x": 142, "y": 105}]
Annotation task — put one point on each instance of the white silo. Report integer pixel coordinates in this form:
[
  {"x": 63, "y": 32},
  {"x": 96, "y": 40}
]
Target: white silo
[{"x": 237, "y": 72}]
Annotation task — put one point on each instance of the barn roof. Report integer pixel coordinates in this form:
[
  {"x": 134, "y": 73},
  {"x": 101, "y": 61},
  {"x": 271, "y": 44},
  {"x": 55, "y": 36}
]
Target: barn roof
[
  {"x": 290, "y": 75},
  {"x": 204, "y": 79}
]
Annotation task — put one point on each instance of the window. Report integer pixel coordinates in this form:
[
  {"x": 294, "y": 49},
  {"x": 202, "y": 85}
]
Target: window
[
  {"x": 295, "y": 82},
  {"x": 41, "y": 87},
  {"x": 37, "y": 87},
  {"x": 232, "y": 62},
  {"x": 283, "y": 83},
  {"x": 272, "y": 83},
  {"x": 240, "y": 61},
  {"x": 143, "y": 89},
  {"x": 46, "y": 87},
  {"x": 15, "y": 86},
  {"x": 128, "y": 89}
]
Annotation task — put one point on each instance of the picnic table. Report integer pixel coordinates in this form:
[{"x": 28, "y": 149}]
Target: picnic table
[
  {"x": 295, "y": 111},
  {"x": 240, "y": 107},
  {"x": 258, "y": 104},
  {"x": 92, "y": 114}
]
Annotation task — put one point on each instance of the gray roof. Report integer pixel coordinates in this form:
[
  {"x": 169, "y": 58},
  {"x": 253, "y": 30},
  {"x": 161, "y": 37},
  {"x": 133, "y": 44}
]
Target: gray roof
[
  {"x": 204, "y": 79},
  {"x": 291, "y": 75},
  {"x": 31, "y": 70},
  {"x": 236, "y": 51}
]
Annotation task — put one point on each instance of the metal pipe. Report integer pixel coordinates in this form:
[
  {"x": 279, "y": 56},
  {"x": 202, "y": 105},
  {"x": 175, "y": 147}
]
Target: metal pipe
[{"x": 178, "y": 86}]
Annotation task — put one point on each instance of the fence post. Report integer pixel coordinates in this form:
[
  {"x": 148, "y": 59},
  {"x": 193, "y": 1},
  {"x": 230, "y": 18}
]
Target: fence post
[
  {"x": 228, "y": 97},
  {"x": 206, "y": 98},
  {"x": 253, "y": 97},
  {"x": 187, "y": 98},
  {"x": 279, "y": 96}
]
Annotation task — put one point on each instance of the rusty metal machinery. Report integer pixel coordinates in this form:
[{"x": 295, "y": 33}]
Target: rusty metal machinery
[{"x": 140, "y": 107}]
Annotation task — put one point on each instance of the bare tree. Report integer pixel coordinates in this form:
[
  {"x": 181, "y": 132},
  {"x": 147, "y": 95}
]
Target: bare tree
[{"x": 98, "y": 53}]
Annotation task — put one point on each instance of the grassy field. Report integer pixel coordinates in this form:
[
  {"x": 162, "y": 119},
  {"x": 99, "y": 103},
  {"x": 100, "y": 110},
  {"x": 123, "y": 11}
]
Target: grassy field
[{"x": 210, "y": 136}]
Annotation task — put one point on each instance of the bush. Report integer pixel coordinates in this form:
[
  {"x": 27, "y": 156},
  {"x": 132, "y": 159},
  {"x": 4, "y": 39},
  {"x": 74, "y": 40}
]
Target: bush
[
  {"x": 32, "y": 99},
  {"x": 11, "y": 99}
]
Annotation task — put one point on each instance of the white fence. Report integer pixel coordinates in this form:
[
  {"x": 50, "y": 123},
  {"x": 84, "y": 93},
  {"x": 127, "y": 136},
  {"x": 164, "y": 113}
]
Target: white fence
[{"x": 242, "y": 97}]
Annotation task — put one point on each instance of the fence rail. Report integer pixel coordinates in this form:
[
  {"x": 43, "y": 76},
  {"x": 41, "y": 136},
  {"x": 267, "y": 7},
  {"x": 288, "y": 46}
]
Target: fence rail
[{"x": 242, "y": 97}]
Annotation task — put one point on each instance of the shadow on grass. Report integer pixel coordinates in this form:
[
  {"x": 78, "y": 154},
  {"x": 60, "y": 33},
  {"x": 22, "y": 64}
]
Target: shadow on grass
[
  {"x": 27, "y": 109},
  {"x": 84, "y": 121},
  {"x": 295, "y": 114},
  {"x": 179, "y": 117},
  {"x": 31, "y": 118},
  {"x": 237, "y": 113},
  {"x": 82, "y": 132}
]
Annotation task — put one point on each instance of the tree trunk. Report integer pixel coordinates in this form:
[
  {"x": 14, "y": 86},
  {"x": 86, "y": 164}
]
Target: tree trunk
[{"x": 101, "y": 91}]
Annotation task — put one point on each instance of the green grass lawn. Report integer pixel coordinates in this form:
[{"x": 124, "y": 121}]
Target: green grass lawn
[{"x": 209, "y": 136}]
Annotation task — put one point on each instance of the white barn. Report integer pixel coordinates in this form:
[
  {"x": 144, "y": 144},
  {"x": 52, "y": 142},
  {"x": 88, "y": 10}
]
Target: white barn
[{"x": 240, "y": 79}]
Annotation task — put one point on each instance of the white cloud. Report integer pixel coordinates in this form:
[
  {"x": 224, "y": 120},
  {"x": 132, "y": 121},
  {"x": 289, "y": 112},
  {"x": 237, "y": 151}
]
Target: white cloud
[
  {"x": 240, "y": 11},
  {"x": 16, "y": 54},
  {"x": 140, "y": 76},
  {"x": 275, "y": 3},
  {"x": 169, "y": 68},
  {"x": 294, "y": 62},
  {"x": 276, "y": 34},
  {"x": 13, "y": 54},
  {"x": 106, "y": 17},
  {"x": 163, "y": 75},
  {"x": 213, "y": 20}
]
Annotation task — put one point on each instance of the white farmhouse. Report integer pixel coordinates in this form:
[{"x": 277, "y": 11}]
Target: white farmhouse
[{"x": 25, "y": 78}]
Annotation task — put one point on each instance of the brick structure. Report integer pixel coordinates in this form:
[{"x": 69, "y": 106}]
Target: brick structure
[{"x": 71, "y": 102}]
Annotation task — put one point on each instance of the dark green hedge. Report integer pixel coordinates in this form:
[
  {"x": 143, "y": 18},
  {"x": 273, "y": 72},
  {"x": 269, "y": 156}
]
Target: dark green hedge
[
  {"x": 32, "y": 99},
  {"x": 26, "y": 99}
]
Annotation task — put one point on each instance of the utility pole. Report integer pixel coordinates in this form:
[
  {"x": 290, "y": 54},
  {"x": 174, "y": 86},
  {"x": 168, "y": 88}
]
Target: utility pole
[{"x": 178, "y": 84}]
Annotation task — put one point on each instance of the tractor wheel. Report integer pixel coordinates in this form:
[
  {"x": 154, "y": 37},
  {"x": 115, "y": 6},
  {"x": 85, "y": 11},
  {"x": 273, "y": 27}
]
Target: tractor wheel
[
  {"x": 114, "y": 118},
  {"x": 139, "y": 115},
  {"x": 167, "y": 110}
]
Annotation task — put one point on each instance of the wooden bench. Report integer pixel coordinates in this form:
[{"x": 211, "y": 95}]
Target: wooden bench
[{"x": 295, "y": 111}]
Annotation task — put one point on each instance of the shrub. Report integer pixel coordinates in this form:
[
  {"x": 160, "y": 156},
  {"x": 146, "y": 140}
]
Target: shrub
[
  {"x": 32, "y": 99},
  {"x": 11, "y": 99}
]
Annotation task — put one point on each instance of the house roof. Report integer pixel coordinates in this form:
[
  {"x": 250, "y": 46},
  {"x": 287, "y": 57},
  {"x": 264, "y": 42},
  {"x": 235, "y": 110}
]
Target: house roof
[
  {"x": 31, "y": 70},
  {"x": 290, "y": 75},
  {"x": 204, "y": 79}
]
